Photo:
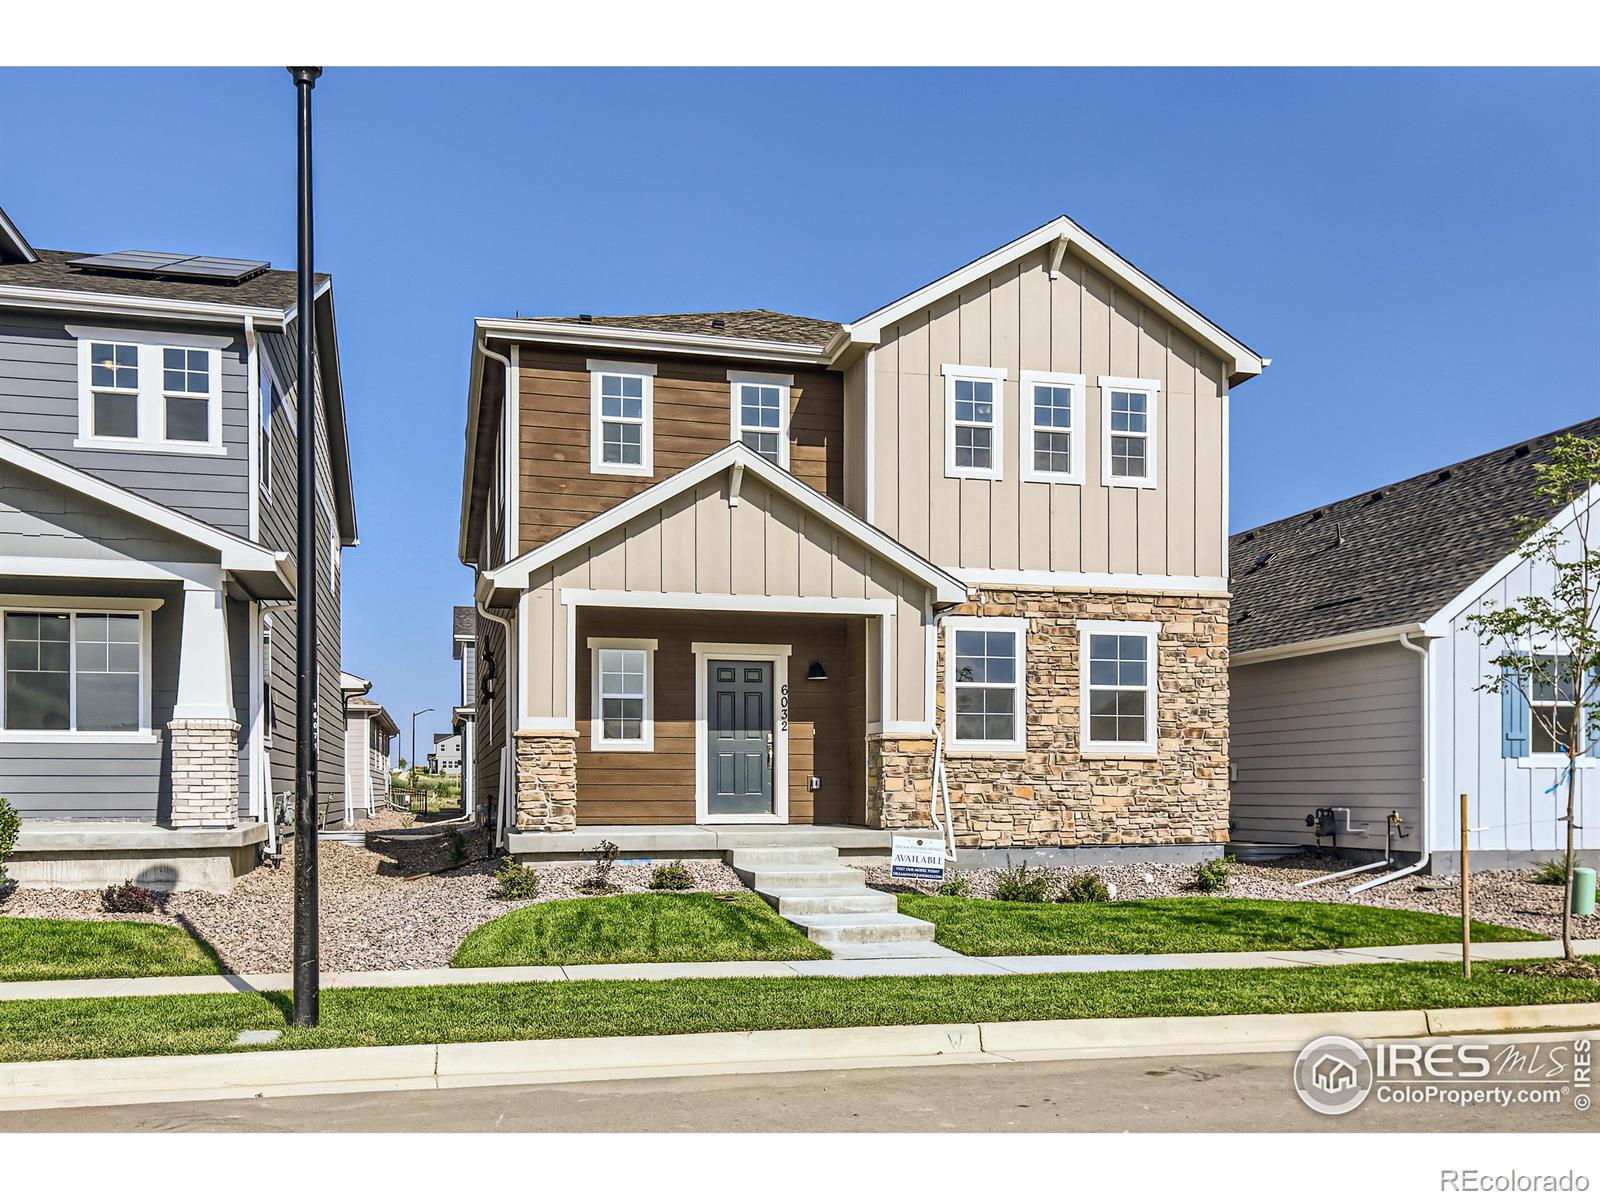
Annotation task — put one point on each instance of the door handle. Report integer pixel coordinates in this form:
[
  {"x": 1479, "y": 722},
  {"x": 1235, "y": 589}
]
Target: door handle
[{"x": 769, "y": 750}]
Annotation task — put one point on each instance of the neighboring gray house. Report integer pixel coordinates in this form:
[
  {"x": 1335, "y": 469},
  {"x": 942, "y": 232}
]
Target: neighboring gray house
[
  {"x": 147, "y": 498},
  {"x": 464, "y": 649},
  {"x": 369, "y": 732},
  {"x": 1354, "y": 675}
]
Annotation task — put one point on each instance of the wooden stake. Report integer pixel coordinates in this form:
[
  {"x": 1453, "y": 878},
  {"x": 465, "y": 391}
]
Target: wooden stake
[{"x": 1466, "y": 898}]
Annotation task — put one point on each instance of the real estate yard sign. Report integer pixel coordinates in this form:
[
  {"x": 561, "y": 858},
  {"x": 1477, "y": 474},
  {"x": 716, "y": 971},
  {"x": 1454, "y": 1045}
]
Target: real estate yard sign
[{"x": 917, "y": 858}]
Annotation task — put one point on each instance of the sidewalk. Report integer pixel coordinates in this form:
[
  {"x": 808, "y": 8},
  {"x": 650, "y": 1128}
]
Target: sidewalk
[{"x": 1043, "y": 964}]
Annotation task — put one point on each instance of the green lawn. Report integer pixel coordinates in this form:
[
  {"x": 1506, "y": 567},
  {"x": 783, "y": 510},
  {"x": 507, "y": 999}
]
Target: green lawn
[
  {"x": 32, "y": 948},
  {"x": 46, "y": 1029},
  {"x": 647, "y": 927},
  {"x": 1188, "y": 924}
]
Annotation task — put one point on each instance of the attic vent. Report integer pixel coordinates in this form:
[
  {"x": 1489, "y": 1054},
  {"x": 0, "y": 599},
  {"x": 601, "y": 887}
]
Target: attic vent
[
  {"x": 1520, "y": 452},
  {"x": 1376, "y": 496},
  {"x": 585, "y": 317},
  {"x": 1326, "y": 604},
  {"x": 1249, "y": 537},
  {"x": 1240, "y": 617},
  {"x": 1262, "y": 560},
  {"x": 1316, "y": 515},
  {"x": 718, "y": 323},
  {"x": 1443, "y": 475}
]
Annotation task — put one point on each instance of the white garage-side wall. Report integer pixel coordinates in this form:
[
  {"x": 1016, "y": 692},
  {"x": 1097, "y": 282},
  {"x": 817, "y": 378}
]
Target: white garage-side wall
[
  {"x": 1337, "y": 729},
  {"x": 1517, "y": 819}
]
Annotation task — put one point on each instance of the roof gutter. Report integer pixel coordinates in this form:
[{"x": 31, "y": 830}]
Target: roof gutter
[
  {"x": 613, "y": 337},
  {"x": 1343, "y": 641},
  {"x": 57, "y": 299}
]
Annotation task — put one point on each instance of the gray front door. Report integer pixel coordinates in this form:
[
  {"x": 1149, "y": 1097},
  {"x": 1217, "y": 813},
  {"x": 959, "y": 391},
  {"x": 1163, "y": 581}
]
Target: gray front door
[{"x": 739, "y": 735}]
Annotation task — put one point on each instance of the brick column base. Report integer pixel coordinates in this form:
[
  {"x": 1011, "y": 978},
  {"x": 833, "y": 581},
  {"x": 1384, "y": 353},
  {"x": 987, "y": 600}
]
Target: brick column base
[
  {"x": 899, "y": 782},
  {"x": 205, "y": 772},
  {"x": 547, "y": 782}
]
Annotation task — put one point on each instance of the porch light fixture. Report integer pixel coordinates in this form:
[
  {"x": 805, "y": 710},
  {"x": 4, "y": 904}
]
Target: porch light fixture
[{"x": 817, "y": 673}]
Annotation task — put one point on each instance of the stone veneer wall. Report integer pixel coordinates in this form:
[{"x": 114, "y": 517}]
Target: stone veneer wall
[
  {"x": 1053, "y": 796},
  {"x": 547, "y": 782},
  {"x": 205, "y": 772}
]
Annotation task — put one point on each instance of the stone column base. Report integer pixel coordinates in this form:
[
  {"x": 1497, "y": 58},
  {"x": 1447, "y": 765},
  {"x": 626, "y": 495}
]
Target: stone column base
[
  {"x": 547, "y": 782},
  {"x": 205, "y": 772},
  {"x": 899, "y": 782}
]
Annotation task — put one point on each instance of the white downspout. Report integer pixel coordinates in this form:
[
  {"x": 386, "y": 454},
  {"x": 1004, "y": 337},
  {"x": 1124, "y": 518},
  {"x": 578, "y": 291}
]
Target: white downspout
[
  {"x": 505, "y": 806},
  {"x": 1427, "y": 851}
]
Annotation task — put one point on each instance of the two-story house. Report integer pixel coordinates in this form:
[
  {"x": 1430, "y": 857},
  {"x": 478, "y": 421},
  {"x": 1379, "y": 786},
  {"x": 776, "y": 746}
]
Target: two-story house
[
  {"x": 148, "y": 477},
  {"x": 742, "y": 569}
]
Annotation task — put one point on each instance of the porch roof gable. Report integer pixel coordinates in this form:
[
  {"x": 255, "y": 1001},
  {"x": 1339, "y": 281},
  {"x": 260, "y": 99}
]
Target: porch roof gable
[{"x": 946, "y": 588}]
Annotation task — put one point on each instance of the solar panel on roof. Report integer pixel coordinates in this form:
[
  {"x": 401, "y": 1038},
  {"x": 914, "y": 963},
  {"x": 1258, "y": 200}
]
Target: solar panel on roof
[{"x": 173, "y": 266}]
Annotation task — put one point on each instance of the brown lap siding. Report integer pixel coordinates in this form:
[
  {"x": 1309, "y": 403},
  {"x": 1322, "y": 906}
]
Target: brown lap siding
[
  {"x": 692, "y": 419},
  {"x": 657, "y": 787}
]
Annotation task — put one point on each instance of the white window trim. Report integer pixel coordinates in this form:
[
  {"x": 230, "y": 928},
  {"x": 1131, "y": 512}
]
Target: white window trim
[
  {"x": 646, "y": 741},
  {"x": 76, "y": 606},
  {"x": 1090, "y": 748},
  {"x": 152, "y": 394},
  {"x": 270, "y": 373},
  {"x": 264, "y": 652},
  {"x": 334, "y": 549},
  {"x": 1027, "y": 381},
  {"x": 1015, "y": 745},
  {"x": 1548, "y": 758},
  {"x": 736, "y": 428},
  {"x": 1152, "y": 390},
  {"x": 996, "y": 376},
  {"x": 645, "y": 372}
]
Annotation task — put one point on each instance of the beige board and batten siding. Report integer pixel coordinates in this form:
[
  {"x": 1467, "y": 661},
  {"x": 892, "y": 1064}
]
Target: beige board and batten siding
[
  {"x": 696, "y": 543},
  {"x": 1338, "y": 729},
  {"x": 1019, "y": 318}
]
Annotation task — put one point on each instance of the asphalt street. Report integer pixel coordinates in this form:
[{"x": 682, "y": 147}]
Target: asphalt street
[{"x": 1192, "y": 1093}]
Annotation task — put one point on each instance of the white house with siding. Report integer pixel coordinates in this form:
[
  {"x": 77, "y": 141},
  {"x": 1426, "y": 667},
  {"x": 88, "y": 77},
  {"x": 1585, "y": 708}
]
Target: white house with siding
[{"x": 1356, "y": 678}]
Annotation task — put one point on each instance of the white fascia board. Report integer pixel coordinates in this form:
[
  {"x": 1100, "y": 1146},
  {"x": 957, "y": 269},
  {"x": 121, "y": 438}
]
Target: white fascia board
[
  {"x": 58, "y": 299},
  {"x": 614, "y": 337},
  {"x": 1343, "y": 641},
  {"x": 1439, "y": 624},
  {"x": 1244, "y": 360},
  {"x": 947, "y": 588},
  {"x": 12, "y": 235},
  {"x": 236, "y": 553}
]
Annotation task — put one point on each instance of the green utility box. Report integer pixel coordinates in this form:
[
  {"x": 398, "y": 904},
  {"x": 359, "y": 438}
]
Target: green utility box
[{"x": 1583, "y": 892}]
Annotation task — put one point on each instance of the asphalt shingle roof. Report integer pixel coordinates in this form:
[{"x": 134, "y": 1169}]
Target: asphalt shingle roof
[
  {"x": 466, "y": 621},
  {"x": 1389, "y": 556},
  {"x": 758, "y": 323},
  {"x": 270, "y": 289}
]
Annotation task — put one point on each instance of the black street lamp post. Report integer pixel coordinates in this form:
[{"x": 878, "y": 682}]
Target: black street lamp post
[{"x": 307, "y": 978}]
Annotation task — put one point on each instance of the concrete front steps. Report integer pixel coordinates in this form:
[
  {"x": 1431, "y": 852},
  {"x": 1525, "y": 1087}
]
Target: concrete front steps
[{"x": 832, "y": 904}]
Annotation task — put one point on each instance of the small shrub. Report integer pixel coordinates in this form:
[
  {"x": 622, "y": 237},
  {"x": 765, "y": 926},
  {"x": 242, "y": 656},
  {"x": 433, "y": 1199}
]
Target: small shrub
[
  {"x": 514, "y": 881},
  {"x": 605, "y": 857},
  {"x": 1553, "y": 873},
  {"x": 955, "y": 884},
  {"x": 127, "y": 897},
  {"x": 458, "y": 848},
  {"x": 1085, "y": 888},
  {"x": 671, "y": 877},
  {"x": 1213, "y": 876},
  {"x": 1022, "y": 884},
  {"x": 10, "y": 826}
]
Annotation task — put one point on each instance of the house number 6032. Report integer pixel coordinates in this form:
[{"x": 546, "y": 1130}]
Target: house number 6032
[{"x": 783, "y": 708}]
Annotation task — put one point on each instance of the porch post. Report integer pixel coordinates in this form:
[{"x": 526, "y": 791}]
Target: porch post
[{"x": 204, "y": 732}]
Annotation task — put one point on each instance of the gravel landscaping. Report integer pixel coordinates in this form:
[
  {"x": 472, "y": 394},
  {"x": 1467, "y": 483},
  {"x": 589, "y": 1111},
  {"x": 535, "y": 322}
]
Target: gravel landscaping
[
  {"x": 1500, "y": 897},
  {"x": 374, "y": 918}
]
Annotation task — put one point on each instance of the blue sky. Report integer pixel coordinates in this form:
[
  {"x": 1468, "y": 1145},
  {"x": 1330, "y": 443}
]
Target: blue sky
[{"x": 1417, "y": 251}]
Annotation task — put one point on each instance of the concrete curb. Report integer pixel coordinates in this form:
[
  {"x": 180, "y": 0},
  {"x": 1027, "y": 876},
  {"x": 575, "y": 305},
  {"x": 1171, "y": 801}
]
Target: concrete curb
[{"x": 93, "y": 1082}]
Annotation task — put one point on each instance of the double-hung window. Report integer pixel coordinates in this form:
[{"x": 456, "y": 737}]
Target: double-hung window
[
  {"x": 1117, "y": 687},
  {"x": 623, "y": 712},
  {"x": 985, "y": 680},
  {"x": 1553, "y": 699},
  {"x": 1128, "y": 431},
  {"x": 69, "y": 671},
  {"x": 973, "y": 426},
  {"x": 269, "y": 398},
  {"x": 114, "y": 390},
  {"x": 149, "y": 391},
  {"x": 621, "y": 400},
  {"x": 761, "y": 413},
  {"x": 1052, "y": 404}
]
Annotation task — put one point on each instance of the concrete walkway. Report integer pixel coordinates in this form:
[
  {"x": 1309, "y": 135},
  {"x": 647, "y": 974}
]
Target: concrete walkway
[{"x": 1042, "y": 964}]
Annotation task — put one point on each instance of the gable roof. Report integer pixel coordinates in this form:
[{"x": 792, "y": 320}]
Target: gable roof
[
  {"x": 947, "y": 589},
  {"x": 235, "y": 553},
  {"x": 1388, "y": 557},
  {"x": 13, "y": 246},
  {"x": 1243, "y": 362},
  {"x": 759, "y": 323}
]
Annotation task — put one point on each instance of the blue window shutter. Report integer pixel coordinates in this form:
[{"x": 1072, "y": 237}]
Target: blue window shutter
[{"x": 1513, "y": 717}]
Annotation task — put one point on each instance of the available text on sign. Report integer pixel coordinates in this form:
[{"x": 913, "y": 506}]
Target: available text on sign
[{"x": 917, "y": 858}]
